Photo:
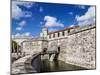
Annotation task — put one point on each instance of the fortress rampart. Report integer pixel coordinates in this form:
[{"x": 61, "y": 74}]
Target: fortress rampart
[{"x": 77, "y": 45}]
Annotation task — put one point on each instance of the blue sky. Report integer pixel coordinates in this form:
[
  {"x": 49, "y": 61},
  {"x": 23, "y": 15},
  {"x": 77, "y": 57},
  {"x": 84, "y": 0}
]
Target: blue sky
[{"x": 28, "y": 18}]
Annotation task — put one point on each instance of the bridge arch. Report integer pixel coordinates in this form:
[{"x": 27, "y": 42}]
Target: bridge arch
[{"x": 44, "y": 50}]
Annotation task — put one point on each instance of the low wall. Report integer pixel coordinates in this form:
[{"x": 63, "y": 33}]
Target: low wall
[{"x": 27, "y": 64}]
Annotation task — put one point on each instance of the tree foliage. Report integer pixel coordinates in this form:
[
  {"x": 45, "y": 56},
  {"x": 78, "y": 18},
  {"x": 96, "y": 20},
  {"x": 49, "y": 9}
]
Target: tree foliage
[{"x": 14, "y": 46}]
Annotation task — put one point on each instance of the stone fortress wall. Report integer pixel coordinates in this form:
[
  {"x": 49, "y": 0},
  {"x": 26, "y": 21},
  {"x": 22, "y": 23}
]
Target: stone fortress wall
[{"x": 77, "y": 45}]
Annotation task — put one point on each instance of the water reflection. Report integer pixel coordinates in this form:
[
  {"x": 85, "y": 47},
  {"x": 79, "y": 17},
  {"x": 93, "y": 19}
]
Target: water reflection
[{"x": 54, "y": 66}]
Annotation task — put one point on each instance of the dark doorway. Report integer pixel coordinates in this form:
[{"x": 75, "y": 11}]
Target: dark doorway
[
  {"x": 44, "y": 50},
  {"x": 57, "y": 54},
  {"x": 58, "y": 49}
]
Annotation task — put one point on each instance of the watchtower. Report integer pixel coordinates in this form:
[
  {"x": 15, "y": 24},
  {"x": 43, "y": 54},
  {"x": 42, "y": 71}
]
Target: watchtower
[{"x": 44, "y": 32}]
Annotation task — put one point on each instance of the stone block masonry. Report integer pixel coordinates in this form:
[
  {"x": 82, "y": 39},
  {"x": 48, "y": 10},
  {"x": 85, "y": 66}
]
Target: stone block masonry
[
  {"x": 78, "y": 48},
  {"x": 76, "y": 45}
]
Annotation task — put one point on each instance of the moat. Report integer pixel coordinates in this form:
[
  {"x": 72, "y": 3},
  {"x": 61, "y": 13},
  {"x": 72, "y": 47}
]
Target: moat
[{"x": 56, "y": 66}]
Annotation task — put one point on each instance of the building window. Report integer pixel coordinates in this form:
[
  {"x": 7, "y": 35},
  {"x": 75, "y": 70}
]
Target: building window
[
  {"x": 58, "y": 34},
  {"x": 54, "y": 35},
  {"x": 63, "y": 33},
  {"x": 68, "y": 30},
  {"x": 49, "y": 36}
]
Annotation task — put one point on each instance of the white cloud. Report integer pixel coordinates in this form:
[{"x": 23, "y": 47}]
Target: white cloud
[
  {"x": 17, "y": 12},
  {"x": 26, "y": 4},
  {"x": 27, "y": 34},
  {"x": 82, "y": 6},
  {"x": 71, "y": 25},
  {"x": 12, "y": 36},
  {"x": 52, "y": 29},
  {"x": 22, "y": 23},
  {"x": 52, "y": 22},
  {"x": 19, "y": 28},
  {"x": 87, "y": 18},
  {"x": 70, "y": 13},
  {"x": 18, "y": 35},
  {"x": 41, "y": 9},
  {"x": 41, "y": 23},
  {"x": 27, "y": 14}
]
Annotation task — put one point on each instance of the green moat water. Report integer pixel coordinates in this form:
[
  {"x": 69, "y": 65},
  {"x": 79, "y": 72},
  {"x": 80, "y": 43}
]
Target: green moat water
[{"x": 56, "y": 66}]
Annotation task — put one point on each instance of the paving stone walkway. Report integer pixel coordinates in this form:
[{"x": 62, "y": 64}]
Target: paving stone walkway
[{"x": 20, "y": 65}]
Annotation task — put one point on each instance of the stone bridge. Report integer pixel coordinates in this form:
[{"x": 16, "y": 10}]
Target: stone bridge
[{"x": 51, "y": 55}]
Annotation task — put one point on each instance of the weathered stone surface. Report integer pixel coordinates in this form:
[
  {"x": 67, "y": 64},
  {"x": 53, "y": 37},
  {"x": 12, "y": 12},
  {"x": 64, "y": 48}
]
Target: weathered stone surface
[
  {"x": 78, "y": 47},
  {"x": 23, "y": 65}
]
